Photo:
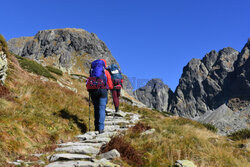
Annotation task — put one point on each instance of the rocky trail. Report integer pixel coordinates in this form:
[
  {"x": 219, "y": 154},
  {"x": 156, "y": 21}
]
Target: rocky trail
[{"x": 86, "y": 151}]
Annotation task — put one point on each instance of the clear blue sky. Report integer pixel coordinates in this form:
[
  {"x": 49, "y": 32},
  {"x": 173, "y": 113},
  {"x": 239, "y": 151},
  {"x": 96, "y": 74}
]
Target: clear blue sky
[{"x": 149, "y": 38}]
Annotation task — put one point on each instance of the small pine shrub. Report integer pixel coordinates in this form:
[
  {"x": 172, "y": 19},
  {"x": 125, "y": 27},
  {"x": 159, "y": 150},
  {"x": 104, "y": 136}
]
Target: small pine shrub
[
  {"x": 34, "y": 67},
  {"x": 240, "y": 135},
  {"x": 210, "y": 127},
  {"x": 54, "y": 70}
]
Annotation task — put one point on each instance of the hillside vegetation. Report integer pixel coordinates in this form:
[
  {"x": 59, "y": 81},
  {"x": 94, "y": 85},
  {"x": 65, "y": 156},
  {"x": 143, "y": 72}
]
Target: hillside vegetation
[
  {"x": 177, "y": 138},
  {"x": 36, "y": 113}
]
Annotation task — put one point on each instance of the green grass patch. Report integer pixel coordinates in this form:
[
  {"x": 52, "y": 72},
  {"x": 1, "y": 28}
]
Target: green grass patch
[
  {"x": 34, "y": 67},
  {"x": 210, "y": 127},
  {"x": 185, "y": 121},
  {"x": 54, "y": 70},
  {"x": 240, "y": 135}
]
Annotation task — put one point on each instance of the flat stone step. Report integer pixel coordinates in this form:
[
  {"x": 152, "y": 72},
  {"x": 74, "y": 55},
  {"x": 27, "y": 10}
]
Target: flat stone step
[
  {"x": 78, "y": 149},
  {"x": 111, "y": 127},
  {"x": 72, "y": 164},
  {"x": 117, "y": 130},
  {"x": 107, "y": 134},
  {"x": 97, "y": 145},
  {"x": 118, "y": 114},
  {"x": 95, "y": 163},
  {"x": 85, "y": 137},
  {"x": 116, "y": 122},
  {"x": 60, "y": 157},
  {"x": 109, "y": 110},
  {"x": 98, "y": 140}
]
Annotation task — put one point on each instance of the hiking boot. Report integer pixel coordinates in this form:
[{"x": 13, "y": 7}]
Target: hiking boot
[
  {"x": 101, "y": 131},
  {"x": 116, "y": 109}
]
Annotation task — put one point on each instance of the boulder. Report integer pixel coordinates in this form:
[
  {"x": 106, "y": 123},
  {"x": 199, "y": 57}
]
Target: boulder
[
  {"x": 148, "y": 132},
  {"x": 3, "y": 66},
  {"x": 58, "y": 157},
  {"x": 184, "y": 163},
  {"x": 111, "y": 154}
]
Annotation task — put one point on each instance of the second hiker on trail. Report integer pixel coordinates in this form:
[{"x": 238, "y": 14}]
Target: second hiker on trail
[
  {"x": 98, "y": 84},
  {"x": 117, "y": 80}
]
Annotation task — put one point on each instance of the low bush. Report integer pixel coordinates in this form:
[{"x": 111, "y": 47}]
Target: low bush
[
  {"x": 128, "y": 153},
  {"x": 140, "y": 127},
  {"x": 5, "y": 93},
  {"x": 54, "y": 70},
  {"x": 240, "y": 135},
  {"x": 210, "y": 127},
  {"x": 34, "y": 67}
]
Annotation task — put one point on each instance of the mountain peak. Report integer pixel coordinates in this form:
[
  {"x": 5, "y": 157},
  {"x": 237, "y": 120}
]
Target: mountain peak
[{"x": 70, "y": 49}]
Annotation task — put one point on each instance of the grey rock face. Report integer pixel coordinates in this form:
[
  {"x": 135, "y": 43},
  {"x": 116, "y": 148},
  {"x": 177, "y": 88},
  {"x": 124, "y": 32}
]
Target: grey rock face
[
  {"x": 241, "y": 76},
  {"x": 204, "y": 84},
  {"x": 16, "y": 45},
  {"x": 155, "y": 95},
  {"x": 71, "y": 50},
  {"x": 3, "y": 66}
]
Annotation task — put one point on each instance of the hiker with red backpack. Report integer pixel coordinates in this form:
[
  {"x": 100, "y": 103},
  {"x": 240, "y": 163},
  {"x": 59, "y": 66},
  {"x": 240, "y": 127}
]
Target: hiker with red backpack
[
  {"x": 117, "y": 80},
  {"x": 98, "y": 84}
]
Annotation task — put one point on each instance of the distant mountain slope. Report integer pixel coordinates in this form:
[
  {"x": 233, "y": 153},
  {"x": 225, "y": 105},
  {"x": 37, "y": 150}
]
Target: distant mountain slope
[
  {"x": 220, "y": 78},
  {"x": 155, "y": 95},
  {"x": 69, "y": 49}
]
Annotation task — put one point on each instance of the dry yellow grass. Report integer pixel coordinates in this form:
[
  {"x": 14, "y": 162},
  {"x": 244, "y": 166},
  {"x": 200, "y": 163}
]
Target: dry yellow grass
[
  {"x": 178, "y": 138},
  {"x": 41, "y": 114}
]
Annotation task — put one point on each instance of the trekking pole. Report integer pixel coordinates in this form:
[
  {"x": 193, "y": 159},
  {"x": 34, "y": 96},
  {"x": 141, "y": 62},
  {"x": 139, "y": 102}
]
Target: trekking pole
[
  {"x": 113, "y": 109},
  {"x": 89, "y": 112}
]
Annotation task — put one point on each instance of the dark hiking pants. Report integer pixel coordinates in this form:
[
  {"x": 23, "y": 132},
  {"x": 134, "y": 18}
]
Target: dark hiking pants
[
  {"x": 116, "y": 95},
  {"x": 99, "y": 99}
]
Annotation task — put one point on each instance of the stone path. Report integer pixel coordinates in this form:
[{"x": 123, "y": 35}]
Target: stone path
[{"x": 84, "y": 152}]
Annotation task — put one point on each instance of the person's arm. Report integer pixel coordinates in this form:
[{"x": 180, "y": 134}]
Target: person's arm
[
  {"x": 122, "y": 83},
  {"x": 109, "y": 80}
]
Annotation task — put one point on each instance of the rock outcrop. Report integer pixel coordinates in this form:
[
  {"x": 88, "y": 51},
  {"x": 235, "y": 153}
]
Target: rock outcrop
[
  {"x": 208, "y": 88},
  {"x": 71, "y": 50},
  {"x": 241, "y": 77},
  {"x": 3, "y": 66},
  {"x": 3, "y": 59},
  {"x": 155, "y": 95},
  {"x": 204, "y": 84}
]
